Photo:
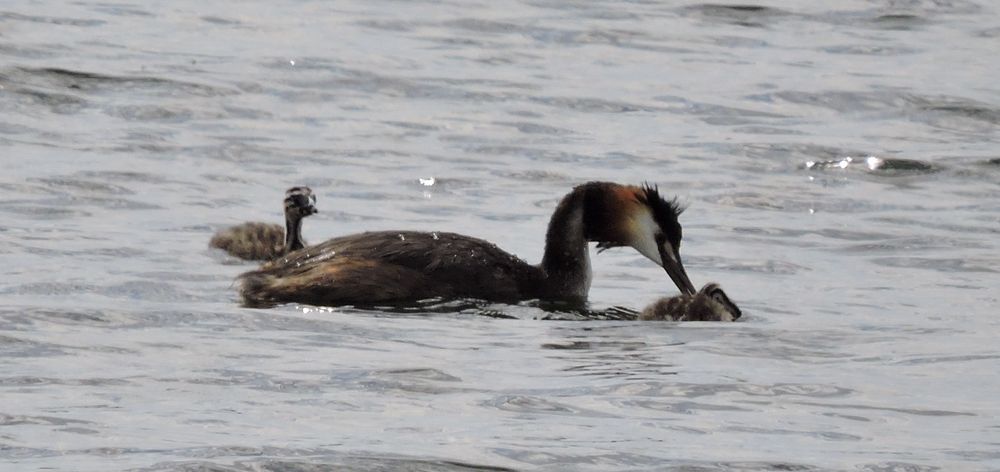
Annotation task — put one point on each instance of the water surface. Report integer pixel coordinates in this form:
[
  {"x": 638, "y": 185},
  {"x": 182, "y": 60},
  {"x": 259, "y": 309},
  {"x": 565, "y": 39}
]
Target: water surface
[{"x": 839, "y": 163}]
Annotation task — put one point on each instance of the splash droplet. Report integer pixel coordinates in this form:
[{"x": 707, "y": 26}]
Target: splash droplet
[{"x": 874, "y": 163}]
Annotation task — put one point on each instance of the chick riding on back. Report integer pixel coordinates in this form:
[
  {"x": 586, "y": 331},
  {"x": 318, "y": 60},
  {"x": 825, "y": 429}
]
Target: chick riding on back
[{"x": 264, "y": 241}]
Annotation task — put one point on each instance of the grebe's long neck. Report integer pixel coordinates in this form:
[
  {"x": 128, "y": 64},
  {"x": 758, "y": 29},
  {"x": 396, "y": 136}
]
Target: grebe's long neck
[
  {"x": 566, "y": 262},
  {"x": 293, "y": 232}
]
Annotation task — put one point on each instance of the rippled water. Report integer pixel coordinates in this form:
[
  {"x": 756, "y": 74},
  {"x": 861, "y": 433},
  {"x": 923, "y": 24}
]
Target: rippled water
[{"x": 839, "y": 159}]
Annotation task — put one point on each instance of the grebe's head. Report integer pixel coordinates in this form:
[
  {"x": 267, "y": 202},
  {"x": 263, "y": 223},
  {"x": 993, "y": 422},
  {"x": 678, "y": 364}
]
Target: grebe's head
[
  {"x": 714, "y": 291},
  {"x": 300, "y": 202},
  {"x": 626, "y": 215}
]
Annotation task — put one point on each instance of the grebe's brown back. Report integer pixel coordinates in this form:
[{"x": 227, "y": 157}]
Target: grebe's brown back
[
  {"x": 709, "y": 304},
  {"x": 408, "y": 266},
  {"x": 265, "y": 241}
]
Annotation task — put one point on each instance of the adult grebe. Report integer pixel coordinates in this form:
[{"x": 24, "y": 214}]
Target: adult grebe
[
  {"x": 408, "y": 266},
  {"x": 264, "y": 241},
  {"x": 709, "y": 304}
]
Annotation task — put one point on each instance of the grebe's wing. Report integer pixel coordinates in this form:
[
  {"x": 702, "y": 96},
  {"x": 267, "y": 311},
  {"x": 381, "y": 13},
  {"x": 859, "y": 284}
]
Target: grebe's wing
[
  {"x": 469, "y": 266},
  {"x": 414, "y": 249}
]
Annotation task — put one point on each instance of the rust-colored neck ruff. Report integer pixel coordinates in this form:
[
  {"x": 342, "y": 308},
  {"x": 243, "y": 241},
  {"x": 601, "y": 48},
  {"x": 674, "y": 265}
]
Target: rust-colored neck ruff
[{"x": 591, "y": 212}]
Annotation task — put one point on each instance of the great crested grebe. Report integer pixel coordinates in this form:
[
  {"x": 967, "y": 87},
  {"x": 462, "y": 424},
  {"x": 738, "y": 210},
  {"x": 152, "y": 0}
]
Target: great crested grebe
[
  {"x": 265, "y": 241},
  {"x": 709, "y": 304},
  {"x": 409, "y": 266}
]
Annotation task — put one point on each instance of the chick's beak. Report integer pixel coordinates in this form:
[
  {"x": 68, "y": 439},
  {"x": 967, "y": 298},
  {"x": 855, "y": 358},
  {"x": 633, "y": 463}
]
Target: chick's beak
[{"x": 675, "y": 269}]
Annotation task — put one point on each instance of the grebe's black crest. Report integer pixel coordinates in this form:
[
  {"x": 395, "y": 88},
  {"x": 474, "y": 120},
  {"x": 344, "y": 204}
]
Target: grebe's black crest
[
  {"x": 265, "y": 241},
  {"x": 407, "y": 266},
  {"x": 709, "y": 304},
  {"x": 665, "y": 212}
]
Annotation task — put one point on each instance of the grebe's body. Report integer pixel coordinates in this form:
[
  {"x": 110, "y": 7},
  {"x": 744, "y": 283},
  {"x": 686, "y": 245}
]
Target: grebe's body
[
  {"x": 709, "y": 304},
  {"x": 394, "y": 266},
  {"x": 265, "y": 241},
  {"x": 408, "y": 266}
]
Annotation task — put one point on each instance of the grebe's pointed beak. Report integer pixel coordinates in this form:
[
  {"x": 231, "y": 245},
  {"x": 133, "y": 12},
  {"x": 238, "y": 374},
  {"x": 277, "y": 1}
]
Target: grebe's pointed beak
[{"x": 675, "y": 269}]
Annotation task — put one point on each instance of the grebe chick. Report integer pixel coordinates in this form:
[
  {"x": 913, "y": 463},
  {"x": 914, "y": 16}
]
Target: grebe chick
[
  {"x": 264, "y": 241},
  {"x": 407, "y": 266},
  {"x": 709, "y": 304}
]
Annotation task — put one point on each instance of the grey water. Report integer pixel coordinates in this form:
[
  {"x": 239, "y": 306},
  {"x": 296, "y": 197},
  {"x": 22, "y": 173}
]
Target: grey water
[{"x": 839, "y": 162}]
